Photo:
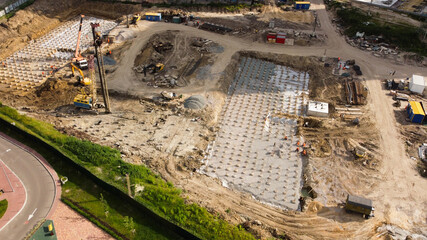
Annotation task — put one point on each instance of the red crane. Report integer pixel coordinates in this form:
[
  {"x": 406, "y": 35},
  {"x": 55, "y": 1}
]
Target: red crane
[{"x": 78, "y": 59}]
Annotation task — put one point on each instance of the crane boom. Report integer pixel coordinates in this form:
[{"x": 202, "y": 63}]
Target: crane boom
[
  {"x": 77, "y": 54},
  {"x": 97, "y": 41},
  {"x": 78, "y": 59}
]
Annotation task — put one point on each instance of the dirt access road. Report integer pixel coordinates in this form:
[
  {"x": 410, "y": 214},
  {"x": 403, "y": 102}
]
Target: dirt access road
[{"x": 400, "y": 192}]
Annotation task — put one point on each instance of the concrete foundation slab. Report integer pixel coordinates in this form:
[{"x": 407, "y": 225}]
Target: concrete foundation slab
[
  {"x": 31, "y": 66},
  {"x": 255, "y": 149}
]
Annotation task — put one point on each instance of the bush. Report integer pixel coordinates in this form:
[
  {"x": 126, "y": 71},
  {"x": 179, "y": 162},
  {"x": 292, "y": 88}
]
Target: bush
[
  {"x": 405, "y": 37},
  {"x": 3, "y": 207}
]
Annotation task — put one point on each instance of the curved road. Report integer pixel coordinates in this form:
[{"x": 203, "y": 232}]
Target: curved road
[{"x": 39, "y": 185}]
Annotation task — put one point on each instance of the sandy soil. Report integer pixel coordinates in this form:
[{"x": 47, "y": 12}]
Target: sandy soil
[{"x": 392, "y": 182}]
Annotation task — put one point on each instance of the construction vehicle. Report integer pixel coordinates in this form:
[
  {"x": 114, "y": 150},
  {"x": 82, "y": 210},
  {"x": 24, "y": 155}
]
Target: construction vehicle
[
  {"x": 135, "y": 19},
  {"x": 359, "y": 205},
  {"x": 83, "y": 100},
  {"x": 155, "y": 68},
  {"x": 78, "y": 58},
  {"x": 169, "y": 95},
  {"x": 97, "y": 41},
  {"x": 80, "y": 79},
  {"x": 161, "y": 47},
  {"x": 359, "y": 153}
]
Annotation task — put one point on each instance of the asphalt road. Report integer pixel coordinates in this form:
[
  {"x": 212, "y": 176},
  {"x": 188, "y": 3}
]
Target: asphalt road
[{"x": 39, "y": 185}]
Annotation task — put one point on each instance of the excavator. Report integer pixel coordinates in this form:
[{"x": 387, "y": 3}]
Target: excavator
[
  {"x": 78, "y": 58},
  {"x": 155, "y": 67},
  {"x": 83, "y": 100},
  {"x": 80, "y": 79},
  {"x": 135, "y": 19}
]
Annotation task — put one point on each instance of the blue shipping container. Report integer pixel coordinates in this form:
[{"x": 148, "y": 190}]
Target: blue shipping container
[
  {"x": 302, "y": 5},
  {"x": 153, "y": 17},
  {"x": 415, "y": 112}
]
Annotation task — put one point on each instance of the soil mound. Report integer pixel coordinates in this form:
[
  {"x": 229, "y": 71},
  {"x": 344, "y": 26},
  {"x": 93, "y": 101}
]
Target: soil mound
[
  {"x": 54, "y": 93},
  {"x": 195, "y": 102}
]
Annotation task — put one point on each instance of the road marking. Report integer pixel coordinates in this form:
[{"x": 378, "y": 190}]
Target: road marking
[
  {"x": 32, "y": 215},
  {"x": 25, "y": 190}
]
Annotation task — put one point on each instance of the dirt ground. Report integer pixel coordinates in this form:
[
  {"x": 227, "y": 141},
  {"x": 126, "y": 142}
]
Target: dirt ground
[
  {"x": 186, "y": 58},
  {"x": 413, "y": 135},
  {"x": 171, "y": 140}
]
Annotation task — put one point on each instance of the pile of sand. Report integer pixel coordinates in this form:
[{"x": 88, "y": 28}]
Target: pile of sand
[{"x": 195, "y": 102}]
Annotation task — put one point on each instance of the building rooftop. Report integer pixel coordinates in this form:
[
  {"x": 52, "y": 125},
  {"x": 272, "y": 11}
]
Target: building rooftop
[
  {"x": 318, "y": 106},
  {"x": 417, "y": 79}
]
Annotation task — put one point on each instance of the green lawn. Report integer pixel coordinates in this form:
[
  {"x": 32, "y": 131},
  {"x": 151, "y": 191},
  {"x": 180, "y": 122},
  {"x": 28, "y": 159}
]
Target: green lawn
[
  {"x": 3, "y": 207},
  {"x": 42, "y": 233}
]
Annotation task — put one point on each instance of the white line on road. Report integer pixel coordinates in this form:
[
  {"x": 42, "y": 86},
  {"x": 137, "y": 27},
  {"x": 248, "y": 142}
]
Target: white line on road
[
  {"x": 32, "y": 215},
  {"x": 25, "y": 203}
]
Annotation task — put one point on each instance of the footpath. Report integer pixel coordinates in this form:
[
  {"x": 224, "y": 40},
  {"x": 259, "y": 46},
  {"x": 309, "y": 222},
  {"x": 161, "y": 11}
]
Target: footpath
[{"x": 14, "y": 193}]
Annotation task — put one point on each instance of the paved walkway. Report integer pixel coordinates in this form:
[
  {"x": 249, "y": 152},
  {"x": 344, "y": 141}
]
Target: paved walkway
[
  {"x": 14, "y": 192},
  {"x": 70, "y": 225}
]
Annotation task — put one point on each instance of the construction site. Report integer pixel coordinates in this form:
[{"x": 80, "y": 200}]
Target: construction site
[{"x": 268, "y": 136}]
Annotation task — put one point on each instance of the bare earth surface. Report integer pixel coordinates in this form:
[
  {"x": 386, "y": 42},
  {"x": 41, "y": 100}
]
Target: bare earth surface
[{"x": 398, "y": 188}]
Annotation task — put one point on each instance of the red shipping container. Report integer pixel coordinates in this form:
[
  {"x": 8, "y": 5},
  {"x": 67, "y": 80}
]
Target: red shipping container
[
  {"x": 281, "y": 38},
  {"x": 271, "y": 37}
]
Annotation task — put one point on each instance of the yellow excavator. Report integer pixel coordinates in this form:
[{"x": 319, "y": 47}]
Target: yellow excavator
[
  {"x": 80, "y": 79},
  {"x": 83, "y": 100},
  {"x": 135, "y": 18},
  {"x": 155, "y": 68}
]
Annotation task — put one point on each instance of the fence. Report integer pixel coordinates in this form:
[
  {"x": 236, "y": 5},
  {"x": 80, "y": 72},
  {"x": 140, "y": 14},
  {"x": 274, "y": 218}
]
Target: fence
[{"x": 12, "y": 7}]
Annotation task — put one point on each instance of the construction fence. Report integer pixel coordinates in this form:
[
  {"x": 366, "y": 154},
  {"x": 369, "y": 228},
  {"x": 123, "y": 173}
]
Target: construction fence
[{"x": 12, "y": 7}]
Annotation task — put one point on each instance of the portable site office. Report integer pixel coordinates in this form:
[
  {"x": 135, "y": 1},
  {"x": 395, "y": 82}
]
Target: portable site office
[
  {"x": 281, "y": 38},
  {"x": 360, "y": 205},
  {"x": 153, "y": 17},
  {"x": 415, "y": 112},
  {"x": 299, "y": 5}
]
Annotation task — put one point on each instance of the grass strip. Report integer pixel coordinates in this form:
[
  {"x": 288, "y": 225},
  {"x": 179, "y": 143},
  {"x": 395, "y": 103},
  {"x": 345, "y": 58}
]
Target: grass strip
[{"x": 3, "y": 207}]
